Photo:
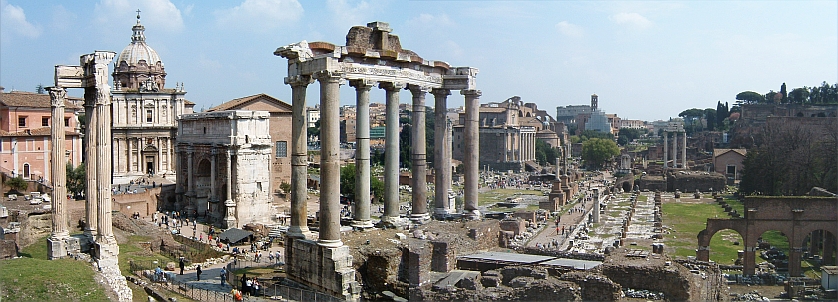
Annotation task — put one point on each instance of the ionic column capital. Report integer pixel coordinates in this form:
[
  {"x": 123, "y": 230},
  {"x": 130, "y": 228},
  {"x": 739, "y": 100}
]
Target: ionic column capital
[
  {"x": 419, "y": 89},
  {"x": 471, "y": 93},
  {"x": 298, "y": 80},
  {"x": 440, "y": 92},
  {"x": 363, "y": 84},
  {"x": 328, "y": 76},
  {"x": 57, "y": 96},
  {"x": 392, "y": 86}
]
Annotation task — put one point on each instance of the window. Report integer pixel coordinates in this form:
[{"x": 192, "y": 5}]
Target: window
[
  {"x": 67, "y": 122},
  {"x": 21, "y": 121},
  {"x": 44, "y": 122},
  {"x": 149, "y": 116},
  {"x": 731, "y": 169},
  {"x": 281, "y": 149}
]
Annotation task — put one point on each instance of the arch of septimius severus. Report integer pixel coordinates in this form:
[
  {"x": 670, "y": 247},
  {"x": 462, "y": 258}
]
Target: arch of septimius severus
[
  {"x": 92, "y": 75},
  {"x": 371, "y": 57}
]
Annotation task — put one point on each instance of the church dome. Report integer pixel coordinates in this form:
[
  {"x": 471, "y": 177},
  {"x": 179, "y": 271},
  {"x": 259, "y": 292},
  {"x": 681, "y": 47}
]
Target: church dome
[
  {"x": 138, "y": 65},
  {"x": 138, "y": 50}
]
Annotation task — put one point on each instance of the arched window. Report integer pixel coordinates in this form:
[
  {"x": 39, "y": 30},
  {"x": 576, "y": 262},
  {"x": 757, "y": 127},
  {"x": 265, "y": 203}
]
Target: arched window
[{"x": 26, "y": 172}]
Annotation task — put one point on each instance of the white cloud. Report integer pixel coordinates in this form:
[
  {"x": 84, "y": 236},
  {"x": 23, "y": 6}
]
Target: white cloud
[
  {"x": 569, "y": 29},
  {"x": 14, "y": 20},
  {"x": 161, "y": 14},
  {"x": 631, "y": 19},
  {"x": 260, "y": 15},
  {"x": 346, "y": 15},
  {"x": 431, "y": 20}
]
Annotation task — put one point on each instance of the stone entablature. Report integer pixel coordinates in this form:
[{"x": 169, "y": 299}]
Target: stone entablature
[{"x": 220, "y": 150}]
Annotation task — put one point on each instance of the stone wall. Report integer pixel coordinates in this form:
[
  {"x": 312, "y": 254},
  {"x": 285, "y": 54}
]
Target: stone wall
[
  {"x": 652, "y": 183},
  {"x": 691, "y": 181},
  {"x": 8, "y": 249},
  {"x": 33, "y": 226},
  {"x": 321, "y": 268}
]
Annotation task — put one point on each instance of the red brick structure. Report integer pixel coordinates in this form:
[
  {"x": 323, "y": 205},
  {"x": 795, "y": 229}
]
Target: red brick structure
[{"x": 795, "y": 216}]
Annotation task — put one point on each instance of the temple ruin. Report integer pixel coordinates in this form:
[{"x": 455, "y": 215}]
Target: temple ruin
[{"x": 371, "y": 57}]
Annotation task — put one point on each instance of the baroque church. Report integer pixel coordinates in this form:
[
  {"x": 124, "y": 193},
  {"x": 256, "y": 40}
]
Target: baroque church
[{"x": 144, "y": 112}]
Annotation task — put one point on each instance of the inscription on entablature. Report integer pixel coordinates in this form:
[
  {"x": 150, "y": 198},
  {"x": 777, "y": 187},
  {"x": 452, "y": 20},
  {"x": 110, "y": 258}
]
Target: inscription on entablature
[{"x": 350, "y": 68}]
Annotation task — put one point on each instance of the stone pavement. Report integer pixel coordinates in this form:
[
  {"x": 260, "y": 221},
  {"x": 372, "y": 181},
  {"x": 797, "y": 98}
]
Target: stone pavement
[{"x": 570, "y": 218}]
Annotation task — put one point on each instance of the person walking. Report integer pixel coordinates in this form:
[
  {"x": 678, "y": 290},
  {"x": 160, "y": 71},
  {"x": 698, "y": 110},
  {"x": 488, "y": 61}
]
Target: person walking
[
  {"x": 182, "y": 265},
  {"x": 223, "y": 275},
  {"x": 198, "y": 272}
]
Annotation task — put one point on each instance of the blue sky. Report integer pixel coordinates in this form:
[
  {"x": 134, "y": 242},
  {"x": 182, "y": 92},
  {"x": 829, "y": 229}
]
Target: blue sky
[{"x": 645, "y": 60}]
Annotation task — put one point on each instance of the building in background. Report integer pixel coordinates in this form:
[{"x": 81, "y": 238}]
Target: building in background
[
  {"x": 25, "y": 135},
  {"x": 280, "y": 132},
  {"x": 144, "y": 113}
]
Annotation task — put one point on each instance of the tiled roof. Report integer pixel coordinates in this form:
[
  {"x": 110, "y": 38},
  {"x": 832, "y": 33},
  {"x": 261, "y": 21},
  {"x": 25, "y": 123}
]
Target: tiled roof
[
  {"x": 30, "y": 99},
  {"x": 718, "y": 152},
  {"x": 240, "y": 102},
  {"x": 43, "y": 131}
]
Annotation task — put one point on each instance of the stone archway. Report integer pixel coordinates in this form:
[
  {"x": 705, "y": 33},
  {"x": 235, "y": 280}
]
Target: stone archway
[{"x": 796, "y": 217}]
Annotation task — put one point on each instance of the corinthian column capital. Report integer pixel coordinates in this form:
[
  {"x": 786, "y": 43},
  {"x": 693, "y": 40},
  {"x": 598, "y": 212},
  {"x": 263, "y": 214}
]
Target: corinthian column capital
[{"x": 57, "y": 96}]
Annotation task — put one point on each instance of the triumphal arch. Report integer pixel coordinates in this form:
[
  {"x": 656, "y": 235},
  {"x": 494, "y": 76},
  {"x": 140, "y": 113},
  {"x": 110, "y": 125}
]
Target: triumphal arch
[
  {"x": 798, "y": 218},
  {"x": 372, "y": 57}
]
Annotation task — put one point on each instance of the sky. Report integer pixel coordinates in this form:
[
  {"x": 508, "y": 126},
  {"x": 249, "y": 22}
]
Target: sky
[{"x": 645, "y": 60}]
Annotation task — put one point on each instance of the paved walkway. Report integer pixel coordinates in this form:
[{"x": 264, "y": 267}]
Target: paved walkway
[{"x": 571, "y": 218}]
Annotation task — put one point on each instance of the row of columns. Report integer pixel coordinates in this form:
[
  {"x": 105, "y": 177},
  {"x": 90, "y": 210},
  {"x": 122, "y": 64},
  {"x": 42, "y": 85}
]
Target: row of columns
[
  {"x": 189, "y": 182},
  {"x": 674, "y": 149},
  {"x": 329, "y": 233},
  {"x": 98, "y": 228}
]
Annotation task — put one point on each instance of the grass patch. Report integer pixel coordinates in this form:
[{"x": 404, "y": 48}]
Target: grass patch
[
  {"x": 688, "y": 219},
  {"x": 34, "y": 278}
]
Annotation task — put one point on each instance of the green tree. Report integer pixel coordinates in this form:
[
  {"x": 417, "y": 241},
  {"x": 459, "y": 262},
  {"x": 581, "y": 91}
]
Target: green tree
[
  {"x": 690, "y": 117},
  {"x": 544, "y": 153},
  {"x": 750, "y": 97},
  {"x": 627, "y": 135},
  {"x": 347, "y": 183},
  {"x": 784, "y": 94},
  {"x": 710, "y": 117},
  {"x": 596, "y": 152},
  {"x": 17, "y": 184},
  {"x": 798, "y": 95},
  {"x": 76, "y": 179},
  {"x": 285, "y": 187}
]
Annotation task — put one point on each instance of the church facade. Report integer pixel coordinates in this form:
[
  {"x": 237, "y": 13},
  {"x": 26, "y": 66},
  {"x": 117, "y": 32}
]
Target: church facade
[{"x": 144, "y": 112}]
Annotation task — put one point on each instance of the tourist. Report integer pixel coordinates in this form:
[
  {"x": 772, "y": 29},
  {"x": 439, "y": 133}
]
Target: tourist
[
  {"x": 255, "y": 288},
  {"x": 158, "y": 274},
  {"x": 198, "y": 272},
  {"x": 244, "y": 284},
  {"x": 223, "y": 275},
  {"x": 248, "y": 286},
  {"x": 182, "y": 265}
]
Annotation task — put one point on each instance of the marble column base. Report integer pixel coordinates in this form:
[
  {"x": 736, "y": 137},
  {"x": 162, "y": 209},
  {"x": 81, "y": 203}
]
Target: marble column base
[
  {"x": 472, "y": 214},
  {"x": 420, "y": 218},
  {"x": 330, "y": 243},
  {"x": 362, "y": 224},
  {"x": 300, "y": 232},
  {"x": 57, "y": 247},
  {"x": 393, "y": 222}
]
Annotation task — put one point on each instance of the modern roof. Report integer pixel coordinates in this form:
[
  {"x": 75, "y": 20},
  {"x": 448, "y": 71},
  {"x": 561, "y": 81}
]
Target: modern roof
[
  {"x": 719, "y": 152},
  {"x": 234, "y": 235},
  {"x": 30, "y": 99},
  {"x": 240, "y": 103},
  {"x": 509, "y": 257}
]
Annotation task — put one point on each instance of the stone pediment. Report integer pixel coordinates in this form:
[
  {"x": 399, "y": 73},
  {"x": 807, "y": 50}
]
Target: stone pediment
[{"x": 261, "y": 102}]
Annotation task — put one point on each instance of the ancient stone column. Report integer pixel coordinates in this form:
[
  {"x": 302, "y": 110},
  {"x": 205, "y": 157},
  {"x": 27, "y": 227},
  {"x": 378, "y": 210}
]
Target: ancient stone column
[
  {"x": 57, "y": 248},
  {"x": 213, "y": 198},
  {"x": 329, "y": 159},
  {"x": 795, "y": 254},
  {"x": 391, "y": 152},
  {"x": 675, "y": 150},
  {"x": 827, "y": 256},
  {"x": 684, "y": 151},
  {"x": 90, "y": 191},
  {"x": 665, "y": 149},
  {"x": 442, "y": 153},
  {"x": 229, "y": 204},
  {"x": 299, "y": 157},
  {"x": 190, "y": 192},
  {"x": 362, "y": 153},
  {"x": 471, "y": 157},
  {"x": 419, "y": 163}
]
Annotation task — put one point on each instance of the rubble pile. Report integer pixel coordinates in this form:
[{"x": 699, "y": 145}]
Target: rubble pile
[
  {"x": 643, "y": 294},
  {"x": 752, "y": 296}
]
